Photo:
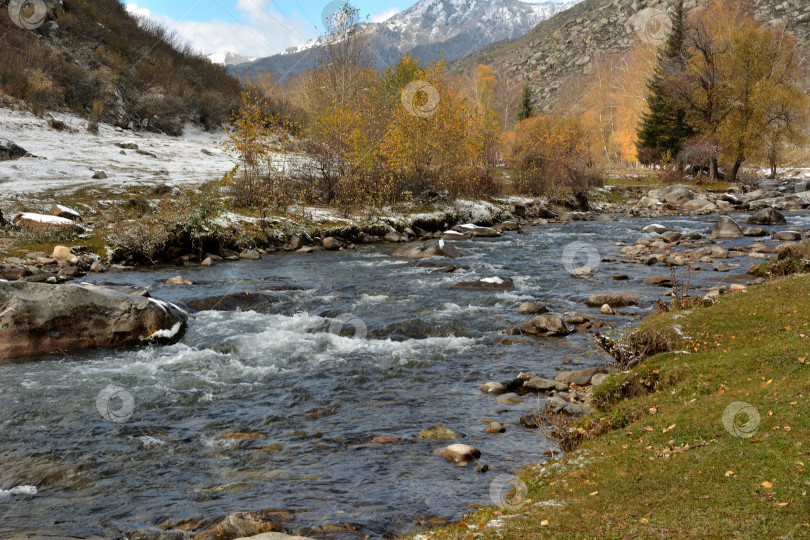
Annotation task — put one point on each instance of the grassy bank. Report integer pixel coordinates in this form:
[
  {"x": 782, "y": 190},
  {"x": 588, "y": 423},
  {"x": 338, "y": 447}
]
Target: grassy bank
[{"x": 670, "y": 464}]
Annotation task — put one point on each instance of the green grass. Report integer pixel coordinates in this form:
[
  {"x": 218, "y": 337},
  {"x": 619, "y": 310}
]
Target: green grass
[{"x": 750, "y": 347}]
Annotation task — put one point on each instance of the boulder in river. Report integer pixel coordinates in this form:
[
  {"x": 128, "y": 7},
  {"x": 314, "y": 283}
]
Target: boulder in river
[
  {"x": 787, "y": 236},
  {"x": 331, "y": 244},
  {"x": 530, "y": 308},
  {"x": 242, "y": 301},
  {"x": 614, "y": 300},
  {"x": 459, "y": 453},
  {"x": 581, "y": 377},
  {"x": 245, "y": 524},
  {"x": 38, "y": 319},
  {"x": 550, "y": 324},
  {"x": 430, "y": 248},
  {"x": 495, "y": 388},
  {"x": 540, "y": 384},
  {"x": 754, "y": 232},
  {"x": 767, "y": 216},
  {"x": 439, "y": 432},
  {"x": 725, "y": 227},
  {"x": 494, "y": 283}
]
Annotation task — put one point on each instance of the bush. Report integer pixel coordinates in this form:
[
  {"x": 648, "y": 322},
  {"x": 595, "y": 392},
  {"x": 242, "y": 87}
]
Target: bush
[{"x": 551, "y": 156}]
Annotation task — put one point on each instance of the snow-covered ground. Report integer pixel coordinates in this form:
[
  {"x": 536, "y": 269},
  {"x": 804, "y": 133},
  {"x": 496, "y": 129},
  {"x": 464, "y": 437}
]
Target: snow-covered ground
[{"x": 67, "y": 160}]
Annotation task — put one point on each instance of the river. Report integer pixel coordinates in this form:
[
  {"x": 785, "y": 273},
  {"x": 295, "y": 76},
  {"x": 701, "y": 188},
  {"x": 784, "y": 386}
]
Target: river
[{"x": 157, "y": 453}]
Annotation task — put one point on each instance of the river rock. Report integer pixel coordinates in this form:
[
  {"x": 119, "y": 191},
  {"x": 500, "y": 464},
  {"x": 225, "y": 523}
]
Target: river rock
[
  {"x": 577, "y": 409},
  {"x": 713, "y": 252},
  {"x": 459, "y": 453},
  {"x": 250, "y": 255},
  {"x": 493, "y": 388},
  {"x": 494, "y": 427},
  {"x": 241, "y": 301},
  {"x": 476, "y": 231},
  {"x": 607, "y": 310},
  {"x": 331, "y": 244},
  {"x": 38, "y": 319},
  {"x": 787, "y": 236},
  {"x": 530, "y": 308},
  {"x": 555, "y": 404},
  {"x": 614, "y": 300},
  {"x": 599, "y": 378},
  {"x": 580, "y": 378},
  {"x": 430, "y": 248},
  {"x": 659, "y": 281},
  {"x": 767, "y": 216},
  {"x": 62, "y": 253},
  {"x": 495, "y": 283},
  {"x": 180, "y": 280},
  {"x": 725, "y": 227},
  {"x": 64, "y": 212},
  {"x": 509, "y": 399},
  {"x": 754, "y": 232},
  {"x": 244, "y": 524},
  {"x": 655, "y": 228},
  {"x": 98, "y": 267},
  {"x": 540, "y": 384},
  {"x": 274, "y": 536},
  {"x": 439, "y": 432},
  {"x": 671, "y": 236},
  {"x": 550, "y": 324}
]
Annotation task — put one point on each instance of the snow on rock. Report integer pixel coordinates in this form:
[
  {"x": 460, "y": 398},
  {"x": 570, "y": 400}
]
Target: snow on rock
[{"x": 31, "y": 220}]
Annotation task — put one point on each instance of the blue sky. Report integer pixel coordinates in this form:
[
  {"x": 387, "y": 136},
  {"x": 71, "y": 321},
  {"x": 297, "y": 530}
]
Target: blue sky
[{"x": 254, "y": 28}]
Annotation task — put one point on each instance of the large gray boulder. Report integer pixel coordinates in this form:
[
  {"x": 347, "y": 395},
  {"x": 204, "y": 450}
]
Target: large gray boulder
[
  {"x": 767, "y": 216},
  {"x": 431, "y": 248},
  {"x": 725, "y": 227},
  {"x": 580, "y": 378},
  {"x": 39, "y": 319},
  {"x": 550, "y": 324}
]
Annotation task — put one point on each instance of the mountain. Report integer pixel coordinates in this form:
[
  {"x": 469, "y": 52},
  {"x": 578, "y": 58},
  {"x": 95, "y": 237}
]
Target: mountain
[
  {"x": 558, "y": 52},
  {"x": 229, "y": 59},
  {"x": 428, "y": 30}
]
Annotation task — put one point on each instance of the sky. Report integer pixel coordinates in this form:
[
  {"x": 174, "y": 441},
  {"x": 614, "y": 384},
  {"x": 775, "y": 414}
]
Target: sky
[{"x": 254, "y": 28}]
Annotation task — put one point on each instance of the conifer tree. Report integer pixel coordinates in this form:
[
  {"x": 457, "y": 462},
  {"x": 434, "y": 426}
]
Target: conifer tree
[
  {"x": 526, "y": 107},
  {"x": 664, "y": 127}
]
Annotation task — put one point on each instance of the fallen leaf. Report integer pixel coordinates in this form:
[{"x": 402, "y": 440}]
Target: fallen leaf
[
  {"x": 729, "y": 473},
  {"x": 544, "y": 523},
  {"x": 766, "y": 485},
  {"x": 648, "y": 428},
  {"x": 781, "y": 504},
  {"x": 594, "y": 493},
  {"x": 645, "y": 521},
  {"x": 670, "y": 428}
]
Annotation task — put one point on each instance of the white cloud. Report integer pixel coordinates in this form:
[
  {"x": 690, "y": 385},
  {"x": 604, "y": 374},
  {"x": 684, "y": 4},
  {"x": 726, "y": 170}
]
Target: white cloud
[
  {"x": 266, "y": 33},
  {"x": 385, "y": 15}
]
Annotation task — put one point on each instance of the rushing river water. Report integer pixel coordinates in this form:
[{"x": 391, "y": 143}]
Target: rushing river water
[{"x": 317, "y": 399}]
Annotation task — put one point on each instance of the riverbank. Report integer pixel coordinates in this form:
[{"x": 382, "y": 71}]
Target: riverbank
[{"x": 710, "y": 443}]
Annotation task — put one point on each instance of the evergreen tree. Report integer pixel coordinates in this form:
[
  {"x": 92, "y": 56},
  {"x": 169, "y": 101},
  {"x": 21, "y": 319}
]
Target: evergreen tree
[
  {"x": 664, "y": 127},
  {"x": 526, "y": 108}
]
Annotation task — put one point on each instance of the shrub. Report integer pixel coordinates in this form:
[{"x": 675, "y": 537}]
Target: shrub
[{"x": 551, "y": 156}]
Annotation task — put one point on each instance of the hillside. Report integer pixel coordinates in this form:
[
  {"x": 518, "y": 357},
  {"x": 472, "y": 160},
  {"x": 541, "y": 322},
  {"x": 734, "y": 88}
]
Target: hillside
[
  {"x": 94, "y": 59},
  {"x": 569, "y": 45},
  {"x": 428, "y": 30}
]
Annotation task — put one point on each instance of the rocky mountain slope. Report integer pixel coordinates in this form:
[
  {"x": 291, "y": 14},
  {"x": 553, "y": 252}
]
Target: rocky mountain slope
[
  {"x": 564, "y": 47},
  {"x": 428, "y": 29}
]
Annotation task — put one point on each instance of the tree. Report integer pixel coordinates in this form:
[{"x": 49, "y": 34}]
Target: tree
[
  {"x": 526, "y": 107},
  {"x": 664, "y": 128}
]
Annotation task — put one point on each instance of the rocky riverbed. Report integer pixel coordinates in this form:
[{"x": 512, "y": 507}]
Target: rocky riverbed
[{"x": 305, "y": 380}]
